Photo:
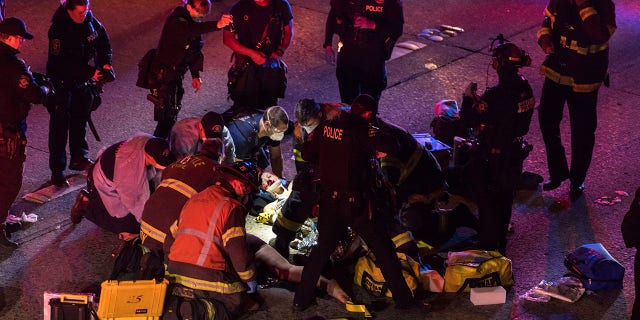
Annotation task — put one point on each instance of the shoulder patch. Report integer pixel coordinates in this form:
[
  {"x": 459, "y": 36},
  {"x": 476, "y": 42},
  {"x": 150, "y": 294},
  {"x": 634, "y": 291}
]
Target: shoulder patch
[
  {"x": 23, "y": 81},
  {"x": 55, "y": 47}
]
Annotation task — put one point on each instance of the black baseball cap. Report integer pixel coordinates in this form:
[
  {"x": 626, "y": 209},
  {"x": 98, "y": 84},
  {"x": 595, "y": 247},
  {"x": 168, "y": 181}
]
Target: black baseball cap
[
  {"x": 15, "y": 27},
  {"x": 212, "y": 124},
  {"x": 158, "y": 149}
]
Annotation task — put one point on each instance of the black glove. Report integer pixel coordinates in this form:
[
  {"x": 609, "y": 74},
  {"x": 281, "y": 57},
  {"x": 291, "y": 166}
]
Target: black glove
[
  {"x": 106, "y": 75},
  {"x": 44, "y": 81}
]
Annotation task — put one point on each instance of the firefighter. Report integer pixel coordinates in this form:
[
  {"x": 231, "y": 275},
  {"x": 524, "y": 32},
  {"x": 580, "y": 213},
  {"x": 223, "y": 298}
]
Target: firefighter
[
  {"x": 343, "y": 149},
  {"x": 575, "y": 36},
  {"x": 210, "y": 257},
  {"x": 180, "y": 181},
  {"x": 500, "y": 119},
  {"x": 411, "y": 177}
]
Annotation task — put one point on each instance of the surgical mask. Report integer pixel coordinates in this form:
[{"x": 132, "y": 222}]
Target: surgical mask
[
  {"x": 310, "y": 128},
  {"x": 277, "y": 136}
]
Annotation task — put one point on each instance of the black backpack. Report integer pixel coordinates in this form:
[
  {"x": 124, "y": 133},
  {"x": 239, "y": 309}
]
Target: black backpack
[
  {"x": 631, "y": 223},
  {"x": 127, "y": 264}
]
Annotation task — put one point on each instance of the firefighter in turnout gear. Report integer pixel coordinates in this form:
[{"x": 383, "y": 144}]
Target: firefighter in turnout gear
[
  {"x": 210, "y": 257},
  {"x": 180, "y": 181},
  {"x": 411, "y": 175},
  {"x": 500, "y": 119},
  {"x": 575, "y": 36}
]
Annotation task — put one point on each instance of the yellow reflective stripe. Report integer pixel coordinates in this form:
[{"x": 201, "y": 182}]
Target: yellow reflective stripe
[
  {"x": 246, "y": 275},
  {"x": 411, "y": 164},
  {"x": 209, "y": 238},
  {"x": 361, "y": 308},
  {"x": 543, "y": 31},
  {"x": 288, "y": 224},
  {"x": 587, "y": 12},
  {"x": 297, "y": 155},
  {"x": 152, "y": 232},
  {"x": 573, "y": 45},
  {"x": 402, "y": 239},
  {"x": 220, "y": 287},
  {"x": 179, "y": 186},
  {"x": 232, "y": 233},
  {"x": 174, "y": 228},
  {"x": 551, "y": 16},
  {"x": 391, "y": 162},
  {"x": 568, "y": 81}
]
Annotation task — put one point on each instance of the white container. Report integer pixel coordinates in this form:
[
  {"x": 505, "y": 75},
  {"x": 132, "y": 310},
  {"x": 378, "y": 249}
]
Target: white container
[{"x": 488, "y": 295}]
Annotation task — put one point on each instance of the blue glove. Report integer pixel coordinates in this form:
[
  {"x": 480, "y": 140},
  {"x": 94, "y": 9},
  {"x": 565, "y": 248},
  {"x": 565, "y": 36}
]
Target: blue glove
[{"x": 253, "y": 286}]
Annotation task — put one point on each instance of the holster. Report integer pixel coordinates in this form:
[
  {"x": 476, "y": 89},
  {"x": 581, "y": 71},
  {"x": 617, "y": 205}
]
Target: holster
[{"x": 12, "y": 144}]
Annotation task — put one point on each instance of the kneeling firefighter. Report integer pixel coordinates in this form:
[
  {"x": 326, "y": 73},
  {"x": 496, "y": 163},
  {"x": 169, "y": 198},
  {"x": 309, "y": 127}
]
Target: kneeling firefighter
[{"x": 209, "y": 258}]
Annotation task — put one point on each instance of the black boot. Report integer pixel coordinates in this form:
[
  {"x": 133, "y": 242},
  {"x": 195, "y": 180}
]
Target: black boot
[{"x": 5, "y": 242}]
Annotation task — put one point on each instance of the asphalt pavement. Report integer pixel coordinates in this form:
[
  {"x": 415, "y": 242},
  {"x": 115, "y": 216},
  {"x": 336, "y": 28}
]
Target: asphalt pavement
[{"x": 55, "y": 255}]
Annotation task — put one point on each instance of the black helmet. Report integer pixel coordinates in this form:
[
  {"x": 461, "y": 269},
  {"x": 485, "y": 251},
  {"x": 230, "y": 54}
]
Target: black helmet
[
  {"x": 246, "y": 171},
  {"x": 510, "y": 53}
]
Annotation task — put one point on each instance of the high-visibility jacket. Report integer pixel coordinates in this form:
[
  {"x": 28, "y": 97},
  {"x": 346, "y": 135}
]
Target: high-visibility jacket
[
  {"x": 180, "y": 181},
  {"x": 580, "y": 37},
  {"x": 210, "y": 250}
]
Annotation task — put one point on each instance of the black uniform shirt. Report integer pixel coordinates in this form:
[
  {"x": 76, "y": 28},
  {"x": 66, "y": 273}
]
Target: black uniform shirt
[
  {"x": 387, "y": 15},
  {"x": 181, "y": 42},
  {"x": 508, "y": 114},
  {"x": 244, "y": 132},
  {"x": 250, "y": 20},
  {"x": 73, "y": 45},
  {"x": 343, "y": 152},
  {"x": 17, "y": 91}
]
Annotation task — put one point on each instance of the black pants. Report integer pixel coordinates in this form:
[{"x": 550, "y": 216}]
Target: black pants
[
  {"x": 335, "y": 215},
  {"x": 359, "y": 75},
  {"x": 166, "y": 115},
  {"x": 98, "y": 214},
  {"x": 494, "y": 184},
  {"x": 68, "y": 120},
  {"x": 11, "y": 181},
  {"x": 635, "y": 314},
  {"x": 583, "y": 121},
  {"x": 295, "y": 212}
]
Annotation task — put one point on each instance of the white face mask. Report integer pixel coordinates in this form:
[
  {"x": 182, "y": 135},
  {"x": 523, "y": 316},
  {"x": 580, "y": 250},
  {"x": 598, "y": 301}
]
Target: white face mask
[
  {"x": 277, "y": 136},
  {"x": 310, "y": 128}
]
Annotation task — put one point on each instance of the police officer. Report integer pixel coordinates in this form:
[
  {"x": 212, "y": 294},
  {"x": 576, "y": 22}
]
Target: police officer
[
  {"x": 76, "y": 37},
  {"x": 299, "y": 205},
  {"x": 18, "y": 91},
  {"x": 500, "y": 119},
  {"x": 179, "y": 50},
  {"x": 343, "y": 151},
  {"x": 263, "y": 30},
  {"x": 368, "y": 30},
  {"x": 575, "y": 36}
]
